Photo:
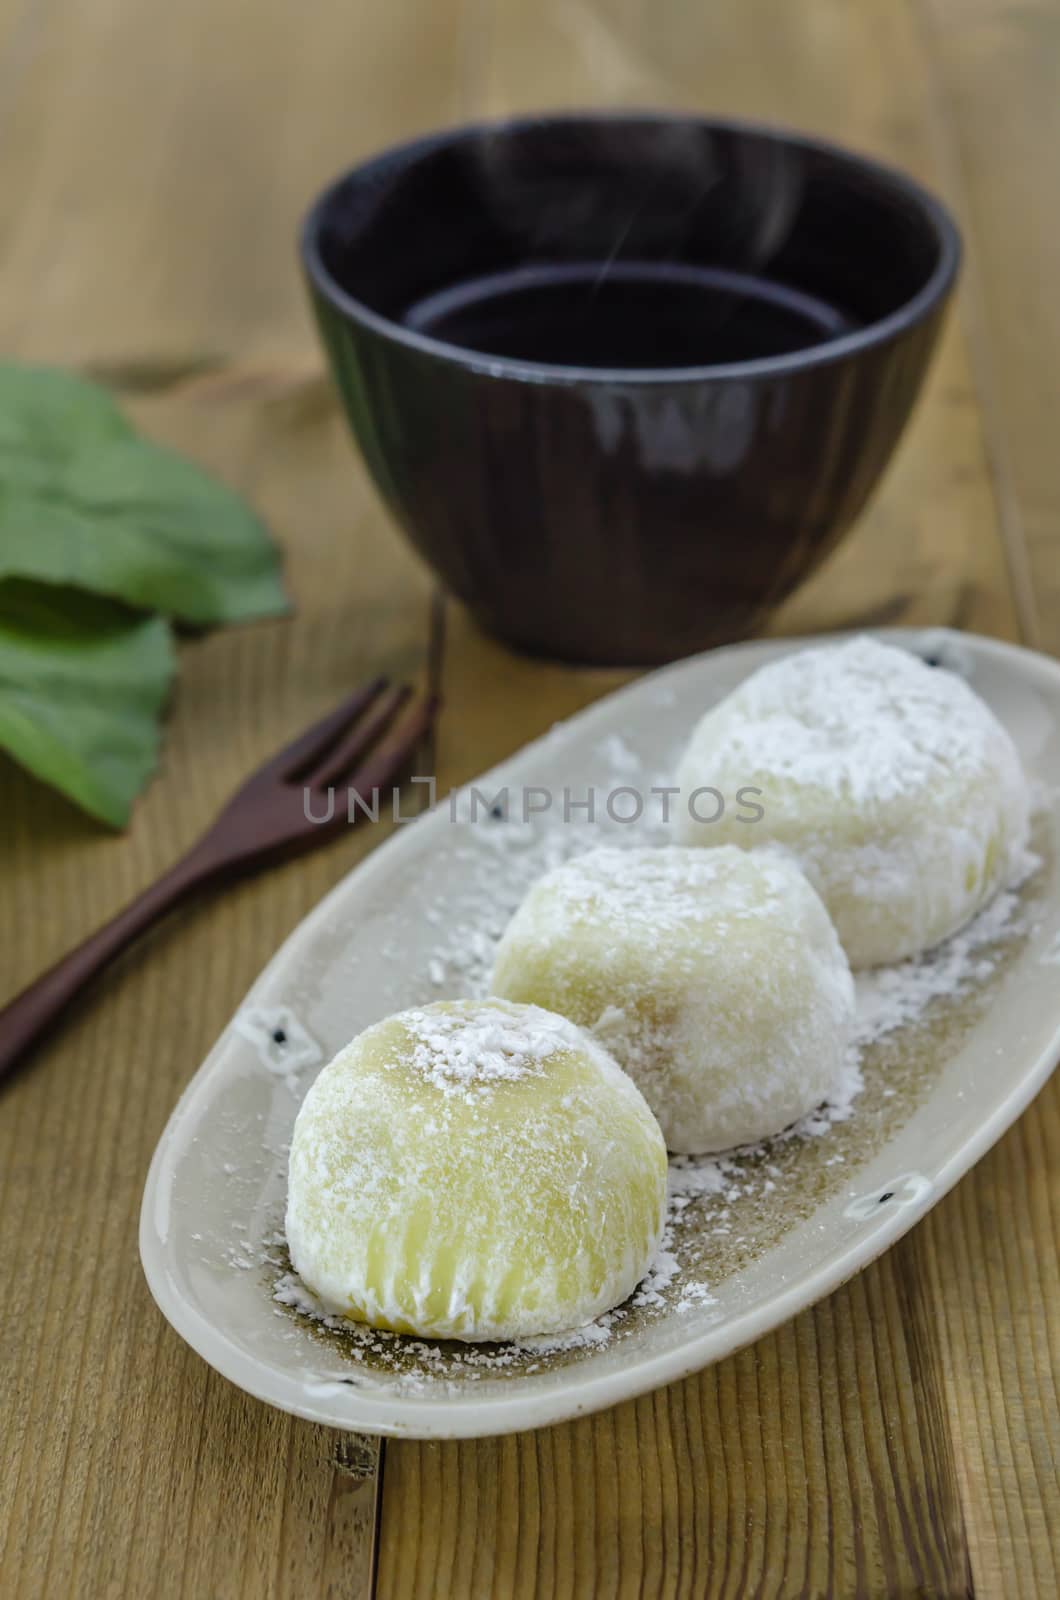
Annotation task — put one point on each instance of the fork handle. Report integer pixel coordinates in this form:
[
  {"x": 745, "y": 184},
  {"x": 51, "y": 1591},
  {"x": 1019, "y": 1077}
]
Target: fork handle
[{"x": 30, "y": 1014}]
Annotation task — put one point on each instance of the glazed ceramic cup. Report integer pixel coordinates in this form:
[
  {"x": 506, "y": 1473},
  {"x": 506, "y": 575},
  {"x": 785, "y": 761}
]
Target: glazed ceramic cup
[{"x": 595, "y": 506}]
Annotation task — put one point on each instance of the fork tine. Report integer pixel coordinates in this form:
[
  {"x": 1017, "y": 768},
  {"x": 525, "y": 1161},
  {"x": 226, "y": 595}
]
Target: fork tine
[
  {"x": 309, "y": 746},
  {"x": 360, "y": 738},
  {"x": 392, "y": 752}
]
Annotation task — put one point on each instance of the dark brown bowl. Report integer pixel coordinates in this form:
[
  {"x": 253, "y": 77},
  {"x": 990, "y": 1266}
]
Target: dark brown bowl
[{"x": 626, "y": 380}]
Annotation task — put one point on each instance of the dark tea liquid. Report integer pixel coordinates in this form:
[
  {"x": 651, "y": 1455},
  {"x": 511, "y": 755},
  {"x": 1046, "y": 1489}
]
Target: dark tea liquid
[{"x": 636, "y": 314}]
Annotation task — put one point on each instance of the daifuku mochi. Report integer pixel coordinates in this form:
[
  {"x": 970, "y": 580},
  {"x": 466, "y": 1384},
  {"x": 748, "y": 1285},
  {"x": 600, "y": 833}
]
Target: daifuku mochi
[
  {"x": 474, "y": 1170},
  {"x": 714, "y": 977},
  {"x": 892, "y": 782}
]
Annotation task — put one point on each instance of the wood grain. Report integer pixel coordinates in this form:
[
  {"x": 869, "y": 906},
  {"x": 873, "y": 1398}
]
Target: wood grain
[
  {"x": 895, "y": 1477},
  {"x": 133, "y": 1469},
  {"x": 902, "y": 1438},
  {"x": 768, "y": 1474},
  {"x": 995, "y": 68}
]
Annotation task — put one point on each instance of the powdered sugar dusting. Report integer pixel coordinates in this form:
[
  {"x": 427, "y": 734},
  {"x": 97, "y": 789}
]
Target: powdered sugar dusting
[
  {"x": 662, "y": 890},
  {"x": 860, "y": 720},
  {"x": 714, "y": 1204},
  {"x": 895, "y": 786},
  {"x": 458, "y": 1051},
  {"x": 722, "y": 1209},
  {"x": 647, "y": 948}
]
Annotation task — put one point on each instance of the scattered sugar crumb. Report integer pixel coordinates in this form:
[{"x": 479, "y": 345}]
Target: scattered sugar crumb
[{"x": 890, "y": 997}]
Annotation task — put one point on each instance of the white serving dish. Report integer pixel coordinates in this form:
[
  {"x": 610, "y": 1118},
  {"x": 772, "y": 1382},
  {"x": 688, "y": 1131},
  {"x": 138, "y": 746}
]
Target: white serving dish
[{"x": 938, "y": 1094}]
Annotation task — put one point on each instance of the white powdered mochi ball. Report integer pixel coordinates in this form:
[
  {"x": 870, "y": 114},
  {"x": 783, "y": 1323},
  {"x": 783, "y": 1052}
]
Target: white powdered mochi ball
[
  {"x": 714, "y": 977},
  {"x": 474, "y": 1170},
  {"x": 894, "y": 785}
]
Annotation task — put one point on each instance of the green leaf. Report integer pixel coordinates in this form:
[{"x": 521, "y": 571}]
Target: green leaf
[
  {"x": 44, "y": 412},
  {"x": 82, "y": 683},
  {"x": 85, "y": 501}
]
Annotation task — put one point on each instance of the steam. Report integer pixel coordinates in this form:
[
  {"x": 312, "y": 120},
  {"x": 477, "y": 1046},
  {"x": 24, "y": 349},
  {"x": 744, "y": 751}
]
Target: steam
[{"x": 651, "y": 189}]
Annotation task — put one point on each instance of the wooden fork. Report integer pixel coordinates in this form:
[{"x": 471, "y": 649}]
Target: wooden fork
[{"x": 363, "y": 743}]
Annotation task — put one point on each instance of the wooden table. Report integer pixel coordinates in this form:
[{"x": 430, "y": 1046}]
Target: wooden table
[{"x": 903, "y": 1437}]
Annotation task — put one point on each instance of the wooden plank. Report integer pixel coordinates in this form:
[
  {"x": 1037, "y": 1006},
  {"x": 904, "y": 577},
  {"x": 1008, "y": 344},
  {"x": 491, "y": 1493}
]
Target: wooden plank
[
  {"x": 991, "y": 1250},
  {"x": 132, "y": 1469},
  {"x": 843, "y": 1454},
  {"x": 155, "y": 163},
  {"x": 988, "y": 1257},
  {"x": 996, "y": 64},
  {"x": 768, "y": 1474}
]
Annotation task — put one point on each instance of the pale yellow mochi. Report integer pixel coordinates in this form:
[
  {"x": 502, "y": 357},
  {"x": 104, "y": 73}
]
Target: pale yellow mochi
[
  {"x": 894, "y": 785},
  {"x": 474, "y": 1170},
  {"x": 714, "y": 977}
]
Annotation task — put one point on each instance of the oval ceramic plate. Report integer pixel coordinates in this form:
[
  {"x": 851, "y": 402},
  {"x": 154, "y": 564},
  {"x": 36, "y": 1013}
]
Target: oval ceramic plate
[{"x": 754, "y": 1240}]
